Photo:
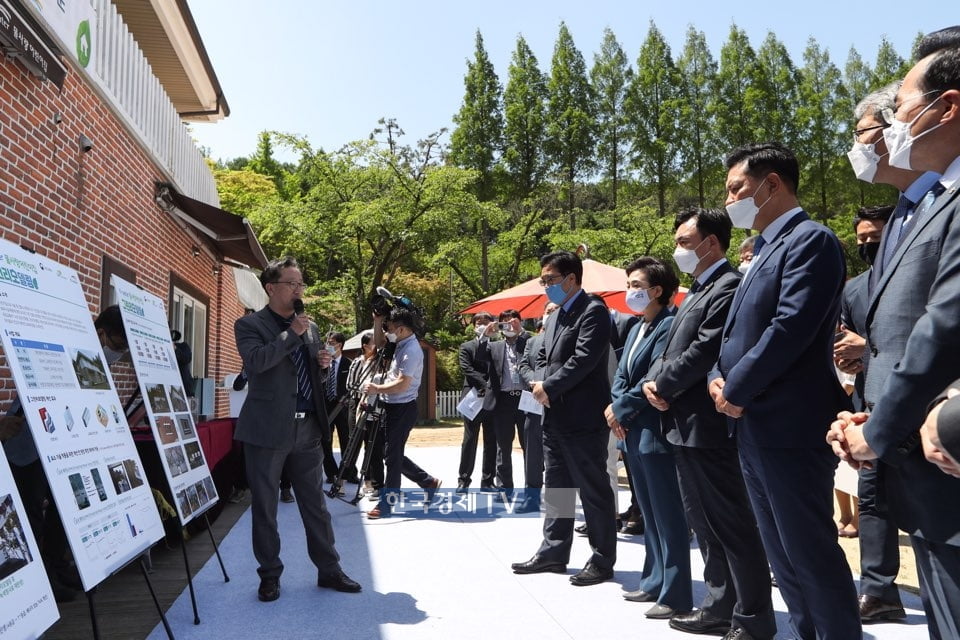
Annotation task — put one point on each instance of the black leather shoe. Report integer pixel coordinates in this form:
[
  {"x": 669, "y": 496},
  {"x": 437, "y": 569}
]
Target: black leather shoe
[
  {"x": 873, "y": 609},
  {"x": 286, "y": 496},
  {"x": 339, "y": 581},
  {"x": 528, "y": 505},
  {"x": 536, "y": 564},
  {"x": 700, "y": 621},
  {"x": 462, "y": 485},
  {"x": 269, "y": 589},
  {"x": 589, "y": 575},
  {"x": 639, "y": 596},
  {"x": 634, "y": 528},
  {"x": 738, "y": 634},
  {"x": 581, "y": 529}
]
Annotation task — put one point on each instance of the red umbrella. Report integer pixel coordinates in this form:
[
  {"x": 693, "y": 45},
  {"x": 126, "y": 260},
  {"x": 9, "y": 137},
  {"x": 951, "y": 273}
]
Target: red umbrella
[{"x": 529, "y": 299}]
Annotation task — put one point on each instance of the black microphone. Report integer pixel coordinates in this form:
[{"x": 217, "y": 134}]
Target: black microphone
[{"x": 298, "y": 306}]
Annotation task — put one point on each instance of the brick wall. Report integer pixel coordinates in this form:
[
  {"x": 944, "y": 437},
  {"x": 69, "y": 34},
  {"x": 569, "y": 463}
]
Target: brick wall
[{"x": 77, "y": 207}]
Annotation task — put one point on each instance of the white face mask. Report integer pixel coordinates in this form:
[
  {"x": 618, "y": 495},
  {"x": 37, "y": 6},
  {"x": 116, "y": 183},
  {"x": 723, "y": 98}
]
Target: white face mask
[
  {"x": 744, "y": 267},
  {"x": 864, "y": 160},
  {"x": 637, "y": 300},
  {"x": 509, "y": 333},
  {"x": 687, "y": 259},
  {"x": 900, "y": 141},
  {"x": 744, "y": 212},
  {"x": 391, "y": 337}
]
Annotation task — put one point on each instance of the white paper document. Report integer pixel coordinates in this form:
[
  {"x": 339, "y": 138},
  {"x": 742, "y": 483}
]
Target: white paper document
[
  {"x": 529, "y": 405},
  {"x": 470, "y": 405}
]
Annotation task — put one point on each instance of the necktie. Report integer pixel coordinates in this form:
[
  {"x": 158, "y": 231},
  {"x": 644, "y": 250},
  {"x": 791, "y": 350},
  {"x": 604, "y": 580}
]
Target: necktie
[
  {"x": 694, "y": 287},
  {"x": 304, "y": 387},
  {"x": 757, "y": 246},
  {"x": 332, "y": 381},
  {"x": 904, "y": 205}
]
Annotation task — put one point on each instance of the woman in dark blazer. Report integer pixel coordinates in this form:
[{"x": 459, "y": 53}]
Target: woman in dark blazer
[{"x": 651, "y": 285}]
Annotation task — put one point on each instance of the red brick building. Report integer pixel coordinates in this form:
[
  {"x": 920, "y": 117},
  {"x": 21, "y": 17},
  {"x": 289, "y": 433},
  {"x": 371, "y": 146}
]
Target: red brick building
[{"x": 98, "y": 170}]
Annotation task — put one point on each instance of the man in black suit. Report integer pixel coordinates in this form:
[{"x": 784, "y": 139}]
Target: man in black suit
[
  {"x": 574, "y": 391},
  {"x": 711, "y": 482},
  {"x": 913, "y": 333},
  {"x": 475, "y": 377},
  {"x": 504, "y": 384},
  {"x": 335, "y": 392}
]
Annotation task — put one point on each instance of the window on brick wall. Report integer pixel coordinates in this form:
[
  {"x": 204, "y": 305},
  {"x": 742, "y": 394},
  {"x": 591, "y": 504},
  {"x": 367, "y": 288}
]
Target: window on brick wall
[
  {"x": 111, "y": 267},
  {"x": 188, "y": 315}
]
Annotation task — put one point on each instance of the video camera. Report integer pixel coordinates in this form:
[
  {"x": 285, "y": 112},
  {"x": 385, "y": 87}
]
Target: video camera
[{"x": 383, "y": 302}]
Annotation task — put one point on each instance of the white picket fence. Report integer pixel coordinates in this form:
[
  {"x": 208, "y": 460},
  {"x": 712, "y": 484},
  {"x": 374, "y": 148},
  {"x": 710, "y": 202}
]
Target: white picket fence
[{"x": 447, "y": 404}]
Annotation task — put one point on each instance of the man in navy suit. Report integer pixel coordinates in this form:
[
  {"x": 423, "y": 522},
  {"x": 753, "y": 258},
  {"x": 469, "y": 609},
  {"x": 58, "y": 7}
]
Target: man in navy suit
[
  {"x": 574, "y": 391},
  {"x": 714, "y": 495},
  {"x": 913, "y": 332},
  {"x": 776, "y": 382}
]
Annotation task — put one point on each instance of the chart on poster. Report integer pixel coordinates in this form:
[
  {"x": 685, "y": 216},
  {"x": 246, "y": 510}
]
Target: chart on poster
[
  {"x": 26, "y": 600},
  {"x": 166, "y": 402},
  {"x": 74, "y": 414}
]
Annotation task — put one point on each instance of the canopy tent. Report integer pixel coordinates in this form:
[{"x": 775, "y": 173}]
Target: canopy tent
[{"x": 529, "y": 299}]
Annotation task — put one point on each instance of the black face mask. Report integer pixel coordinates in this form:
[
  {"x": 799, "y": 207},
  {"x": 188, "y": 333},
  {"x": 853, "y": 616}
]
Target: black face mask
[{"x": 868, "y": 251}]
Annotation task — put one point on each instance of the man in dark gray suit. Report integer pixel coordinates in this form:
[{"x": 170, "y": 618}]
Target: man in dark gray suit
[
  {"x": 711, "y": 482},
  {"x": 475, "y": 377},
  {"x": 282, "y": 422},
  {"x": 913, "y": 333}
]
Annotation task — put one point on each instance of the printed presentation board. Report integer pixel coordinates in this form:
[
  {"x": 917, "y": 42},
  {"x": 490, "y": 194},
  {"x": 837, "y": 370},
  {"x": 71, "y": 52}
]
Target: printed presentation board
[
  {"x": 76, "y": 418},
  {"x": 167, "y": 405},
  {"x": 27, "y": 607}
]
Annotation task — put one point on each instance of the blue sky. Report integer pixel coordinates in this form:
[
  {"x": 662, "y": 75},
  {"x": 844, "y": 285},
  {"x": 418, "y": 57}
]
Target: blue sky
[{"x": 329, "y": 70}]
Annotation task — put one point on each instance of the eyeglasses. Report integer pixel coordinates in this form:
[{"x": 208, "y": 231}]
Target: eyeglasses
[
  {"x": 917, "y": 96},
  {"x": 860, "y": 132},
  {"x": 550, "y": 280},
  {"x": 292, "y": 285}
]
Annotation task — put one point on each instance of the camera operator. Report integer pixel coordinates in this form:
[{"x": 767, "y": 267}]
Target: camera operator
[{"x": 398, "y": 392}]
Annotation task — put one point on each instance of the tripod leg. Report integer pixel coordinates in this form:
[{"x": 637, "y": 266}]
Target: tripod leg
[
  {"x": 348, "y": 457},
  {"x": 216, "y": 549}
]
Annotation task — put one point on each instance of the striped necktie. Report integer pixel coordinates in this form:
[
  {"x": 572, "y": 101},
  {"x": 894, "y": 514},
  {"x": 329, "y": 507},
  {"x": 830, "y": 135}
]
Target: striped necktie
[
  {"x": 304, "y": 386},
  {"x": 332, "y": 381}
]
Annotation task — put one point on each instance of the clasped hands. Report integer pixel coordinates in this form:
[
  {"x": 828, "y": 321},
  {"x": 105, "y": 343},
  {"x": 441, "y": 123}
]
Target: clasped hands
[
  {"x": 846, "y": 439},
  {"x": 723, "y": 405}
]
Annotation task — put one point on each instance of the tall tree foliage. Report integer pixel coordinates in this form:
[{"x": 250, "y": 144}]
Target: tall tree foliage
[
  {"x": 611, "y": 76},
  {"x": 653, "y": 102},
  {"x": 570, "y": 121},
  {"x": 889, "y": 66},
  {"x": 698, "y": 72},
  {"x": 773, "y": 93},
  {"x": 524, "y": 106},
  {"x": 734, "y": 79}
]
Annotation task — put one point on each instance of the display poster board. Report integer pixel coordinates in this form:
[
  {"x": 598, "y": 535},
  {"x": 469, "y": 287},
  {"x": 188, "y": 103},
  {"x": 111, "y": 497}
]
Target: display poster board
[
  {"x": 27, "y": 607},
  {"x": 168, "y": 408},
  {"x": 74, "y": 414}
]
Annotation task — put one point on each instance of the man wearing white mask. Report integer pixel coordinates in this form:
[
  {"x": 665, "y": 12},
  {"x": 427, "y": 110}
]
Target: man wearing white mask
[
  {"x": 776, "y": 382},
  {"x": 735, "y": 570},
  {"x": 913, "y": 333}
]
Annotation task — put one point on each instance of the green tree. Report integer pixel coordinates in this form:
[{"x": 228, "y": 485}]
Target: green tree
[
  {"x": 652, "y": 104},
  {"x": 889, "y": 66},
  {"x": 611, "y": 76},
  {"x": 737, "y": 62},
  {"x": 773, "y": 94},
  {"x": 570, "y": 121},
  {"x": 698, "y": 72},
  {"x": 263, "y": 162},
  {"x": 524, "y": 105},
  {"x": 243, "y": 192}
]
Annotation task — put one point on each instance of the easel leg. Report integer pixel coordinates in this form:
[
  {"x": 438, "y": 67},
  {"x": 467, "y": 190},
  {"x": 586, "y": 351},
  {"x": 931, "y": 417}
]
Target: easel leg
[
  {"x": 93, "y": 614},
  {"x": 163, "y": 618},
  {"x": 216, "y": 549},
  {"x": 186, "y": 566}
]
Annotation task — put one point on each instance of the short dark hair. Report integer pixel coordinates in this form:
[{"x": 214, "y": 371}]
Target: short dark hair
[
  {"x": 765, "y": 158},
  {"x": 509, "y": 314},
  {"x": 566, "y": 262},
  {"x": 659, "y": 274},
  {"x": 110, "y": 321},
  {"x": 937, "y": 40},
  {"x": 942, "y": 72},
  {"x": 481, "y": 315},
  {"x": 275, "y": 268},
  {"x": 405, "y": 317},
  {"x": 175, "y": 335},
  {"x": 710, "y": 222},
  {"x": 366, "y": 338},
  {"x": 337, "y": 337},
  {"x": 881, "y": 213}
]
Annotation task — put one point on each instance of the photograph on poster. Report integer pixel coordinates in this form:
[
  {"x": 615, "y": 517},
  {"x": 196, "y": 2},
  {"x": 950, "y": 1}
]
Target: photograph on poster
[
  {"x": 194, "y": 455},
  {"x": 68, "y": 418},
  {"x": 101, "y": 491},
  {"x": 102, "y": 416},
  {"x": 89, "y": 368},
  {"x": 178, "y": 399},
  {"x": 87, "y": 417},
  {"x": 158, "y": 398},
  {"x": 184, "y": 504},
  {"x": 193, "y": 497},
  {"x": 119, "y": 478},
  {"x": 202, "y": 493},
  {"x": 133, "y": 473},
  {"x": 133, "y": 528},
  {"x": 208, "y": 484},
  {"x": 176, "y": 460},
  {"x": 14, "y": 550},
  {"x": 79, "y": 491},
  {"x": 186, "y": 427},
  {"x": 47, "y": 420},
  {"x": 116, "y": 413},
  {"x": 166, "y": 429}
]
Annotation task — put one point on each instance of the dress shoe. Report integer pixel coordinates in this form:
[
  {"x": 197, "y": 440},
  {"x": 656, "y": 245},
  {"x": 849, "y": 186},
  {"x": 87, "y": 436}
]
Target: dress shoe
[
  {"x": 286, "y": 495},
  {"x": 487, "y": 488},
  {"x": 581, "y": 529},
  {"x": 536, "y": 564},
  {"x": 634, "y": 528},
  {"x": 700, "y": 621},
  {"x": 376, "y": 513},
  {"x": 660, "y": 612},
  {"x": 738, "y": 633},
  {"x": 589, "y": 575},
  {"x": 528, "y": 505},
  {"x": 873, "y": 609},
  {"x": 639, "y": 596},
  {"x": 269, "y": 589},
  {"x": 431, "y": 487},
  {"x": 462, "y": 485},
  {"x": 339, "y": 581}
]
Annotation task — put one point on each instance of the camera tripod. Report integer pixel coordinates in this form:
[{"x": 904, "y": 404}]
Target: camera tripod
[{"x": 367, "y": 426}]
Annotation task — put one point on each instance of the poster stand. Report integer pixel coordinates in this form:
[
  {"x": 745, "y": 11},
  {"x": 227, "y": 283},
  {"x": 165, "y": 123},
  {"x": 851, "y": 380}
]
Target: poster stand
[
  {"x": 153, "y": 595},
  {"x": 186, "y": 564}
]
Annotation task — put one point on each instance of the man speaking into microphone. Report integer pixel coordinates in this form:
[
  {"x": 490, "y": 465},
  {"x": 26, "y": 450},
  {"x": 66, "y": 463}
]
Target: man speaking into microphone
[{"x": 282, "y": 422}]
